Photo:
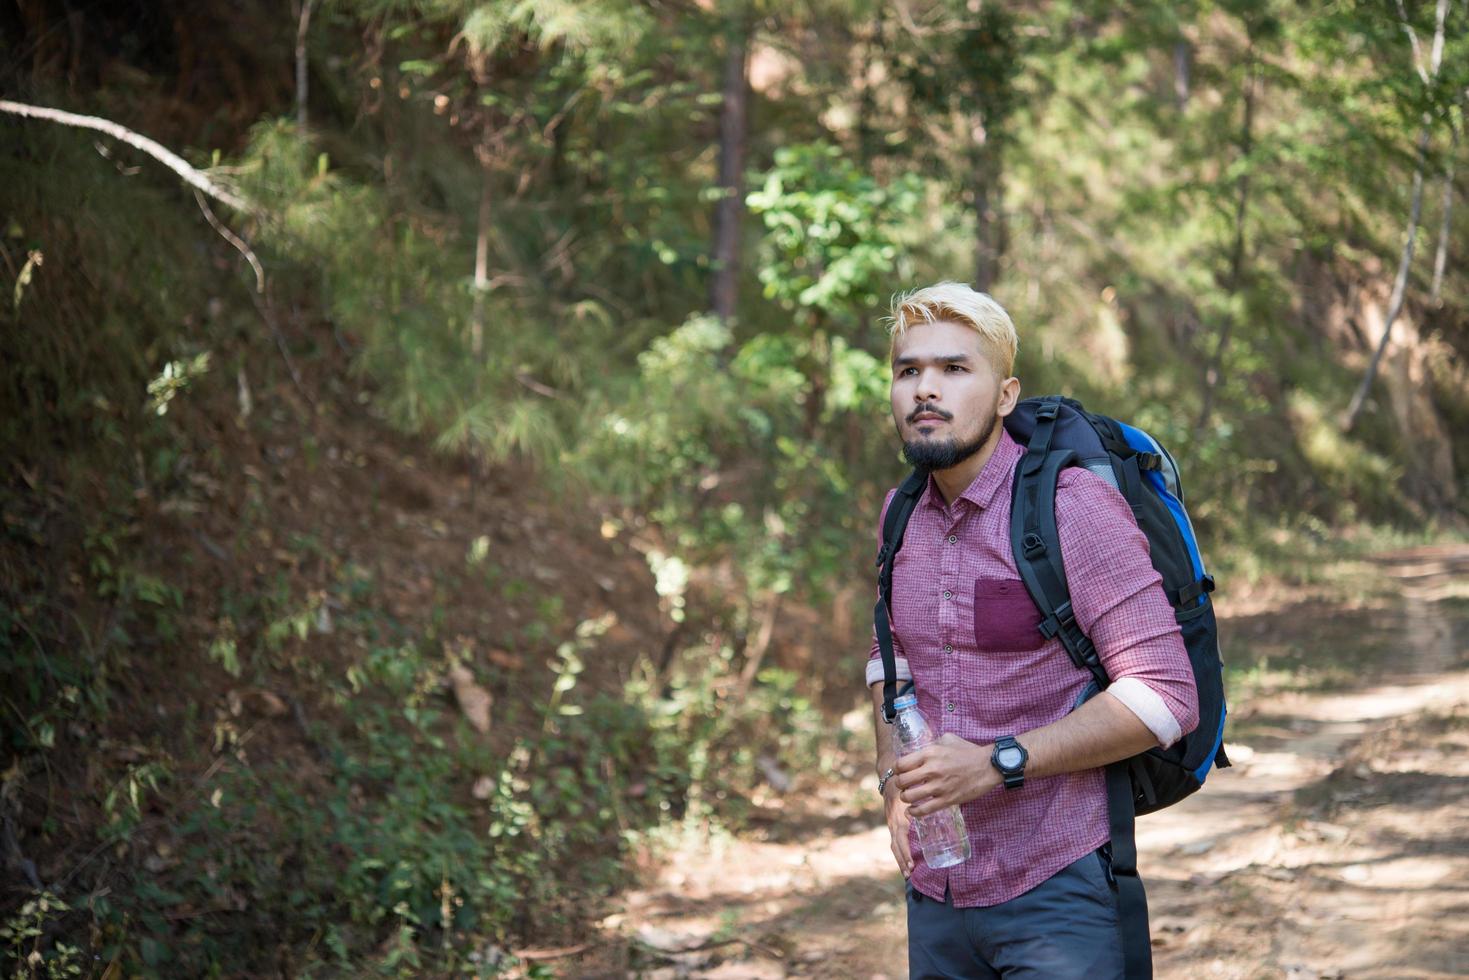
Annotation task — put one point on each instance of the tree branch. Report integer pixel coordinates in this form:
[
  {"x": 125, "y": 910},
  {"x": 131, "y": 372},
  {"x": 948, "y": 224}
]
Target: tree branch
[
  {"x": 191, "y": 175},
  {"x": 301, "y": 64},
  {"x": 1415, "y": 214},
  {"x": 1441, "y": 254},
  {"x": 240, "y": 245}
]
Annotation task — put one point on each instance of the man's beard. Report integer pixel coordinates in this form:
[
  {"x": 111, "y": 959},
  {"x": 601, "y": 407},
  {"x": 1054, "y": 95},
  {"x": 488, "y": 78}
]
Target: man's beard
[{"x": 942, "y": 455}]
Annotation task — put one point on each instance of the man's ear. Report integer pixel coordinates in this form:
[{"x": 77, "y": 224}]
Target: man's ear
[{"x": 1009, "y": 396}]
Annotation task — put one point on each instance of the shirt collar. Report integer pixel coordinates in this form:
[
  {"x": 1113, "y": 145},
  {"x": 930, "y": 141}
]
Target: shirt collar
[{"x": 998, "y": 470}]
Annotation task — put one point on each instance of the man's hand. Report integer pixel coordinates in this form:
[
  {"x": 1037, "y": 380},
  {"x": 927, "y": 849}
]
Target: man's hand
[
  {"x": 897, "y": 814},
  {"x": 949, "y": 772}
]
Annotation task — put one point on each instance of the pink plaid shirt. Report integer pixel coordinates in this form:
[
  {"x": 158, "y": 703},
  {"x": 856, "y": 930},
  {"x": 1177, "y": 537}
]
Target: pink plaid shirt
[{"x": 966, "y": 627}]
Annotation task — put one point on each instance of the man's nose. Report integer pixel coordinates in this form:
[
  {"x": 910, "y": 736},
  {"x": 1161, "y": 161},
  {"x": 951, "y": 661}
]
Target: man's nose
[{"x": 928, "y": 388}]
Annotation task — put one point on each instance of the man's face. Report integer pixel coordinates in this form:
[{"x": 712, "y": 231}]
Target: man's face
[{"x": 946, "y": 396}]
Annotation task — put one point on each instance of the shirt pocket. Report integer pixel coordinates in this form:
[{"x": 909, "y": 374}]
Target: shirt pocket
[{"x": 1005, "y": 618}]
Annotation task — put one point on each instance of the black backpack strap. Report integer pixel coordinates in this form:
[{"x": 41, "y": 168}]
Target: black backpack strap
[
  {"x": 893, "y": 526},
  {"x": 1132, "y": 899},
  {"x": 1040, "y": 437},
  {"x": 1036, "y": 544},
  {"x": 1037, "y": 547}
]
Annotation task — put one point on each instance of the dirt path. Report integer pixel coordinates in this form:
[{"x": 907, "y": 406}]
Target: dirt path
[{"x": 1337, "y": 846}]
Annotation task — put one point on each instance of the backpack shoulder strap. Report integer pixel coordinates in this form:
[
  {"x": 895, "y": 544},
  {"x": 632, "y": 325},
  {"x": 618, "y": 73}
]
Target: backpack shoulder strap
[
  {"x": 1036, "y": 543},
  {"x": 893, "y": 526},
  {"x": 1132, "y": 898},
  {"x": 1037, "y": 548}
]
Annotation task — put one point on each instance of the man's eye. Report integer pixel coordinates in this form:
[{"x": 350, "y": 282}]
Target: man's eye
[{"x": 956, "y": 367}]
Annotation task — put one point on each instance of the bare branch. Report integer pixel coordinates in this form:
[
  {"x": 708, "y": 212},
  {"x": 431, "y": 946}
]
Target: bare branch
[
  {"x": 191, "y": 175},
  {"x": 1413, "y": 40},
  {"x": 1441, "y": 254},
  {"x": 1415, "y": 214},
  {"x": 1399, "y": 287},
  {"x": 1436, "y": 58},
  {"x": 266, "y": 310},
  {"x": 239, "y": 243},
  {"x": 536, "y": 386},
  {"x": 905, "y": 17}
]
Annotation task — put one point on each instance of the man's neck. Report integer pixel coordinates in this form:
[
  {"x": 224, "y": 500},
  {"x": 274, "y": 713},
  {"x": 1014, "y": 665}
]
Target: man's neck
[{"x": 955, "y": 480}]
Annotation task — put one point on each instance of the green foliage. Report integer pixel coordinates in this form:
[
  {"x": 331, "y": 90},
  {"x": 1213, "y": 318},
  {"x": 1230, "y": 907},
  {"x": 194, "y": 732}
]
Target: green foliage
[
  {"x": 1166, "y": 176},
  {"x": 25, "y": 938},
  {"x": 405, "y": 869},
  {"x": 829, "y": 246},
  {"x": 679, "y": 445},
  {"x": 175, "y": 377},
  {"x": 595, "y": 27}
]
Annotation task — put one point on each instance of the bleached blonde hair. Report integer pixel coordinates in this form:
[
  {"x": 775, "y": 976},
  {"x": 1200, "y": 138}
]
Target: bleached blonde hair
[{"x": 957, "y": 303}]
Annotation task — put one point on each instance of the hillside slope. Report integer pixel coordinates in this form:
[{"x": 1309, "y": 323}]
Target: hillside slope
[{"x": 212, "y": 655}]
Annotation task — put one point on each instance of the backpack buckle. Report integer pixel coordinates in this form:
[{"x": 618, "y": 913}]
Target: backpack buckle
[
  {"x": 1065, "y": 617},
  {"x": 1061, "y": 621},
  {"x": 1034, "y": 546},
  {"x": 1048, "y": 410},
  {"x": 1078, "y": 645},
  {"x": 1193, "y": 590}
]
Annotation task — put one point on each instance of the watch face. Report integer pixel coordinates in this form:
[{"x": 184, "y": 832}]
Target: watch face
[{"x": 1009, "y": 757}]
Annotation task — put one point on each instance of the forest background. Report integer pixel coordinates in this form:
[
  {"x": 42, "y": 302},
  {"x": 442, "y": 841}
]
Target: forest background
[{"x": 466, "y": 485}]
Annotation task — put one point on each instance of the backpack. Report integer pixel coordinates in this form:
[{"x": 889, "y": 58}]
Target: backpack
[{"x": 1059, "y": 433}]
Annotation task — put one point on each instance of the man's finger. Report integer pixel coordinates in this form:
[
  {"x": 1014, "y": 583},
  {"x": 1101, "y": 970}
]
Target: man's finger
[
  {"x": 908, "y": 763},
  {"x": 916, "y": 791},
  {"x": 931, "y": 802},
  {"x": 912, "y": 777},
  {"x": 930, "y": 805},
  {"x": 919, "y": 788}
]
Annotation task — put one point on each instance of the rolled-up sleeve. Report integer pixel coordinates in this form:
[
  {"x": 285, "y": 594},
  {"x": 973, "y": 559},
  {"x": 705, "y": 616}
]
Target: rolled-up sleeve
[
  {"x": 1118, "y": 600},
  {"x": 874, "y": 654}
]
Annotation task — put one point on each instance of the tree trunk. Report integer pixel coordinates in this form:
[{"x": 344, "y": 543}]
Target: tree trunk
[
  {"x": 481, "y": 265},
  {"x": 1441, "y": 254},
  {"x": 1215, "y": 368},
  {"x": 301, "y": 27},
  {"x": 1407, "y": 375},
  {"x": 1428, "y": 73},
  {"x": 1182, "y": 60},
  {"x": 867, "y": 105},
  {"x": 760, "y": 643},
  {"x": 989, "y": 190},
  {"x": 1399, "y": 286},
  {"x": 733, "y": 133}
]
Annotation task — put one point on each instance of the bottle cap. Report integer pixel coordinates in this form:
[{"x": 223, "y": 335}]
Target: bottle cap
[{"x": 906, "y": 701}]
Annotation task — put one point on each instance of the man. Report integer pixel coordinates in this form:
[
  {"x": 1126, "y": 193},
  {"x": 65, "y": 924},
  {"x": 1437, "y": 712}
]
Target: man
[{"x": 1035, "y": 899}]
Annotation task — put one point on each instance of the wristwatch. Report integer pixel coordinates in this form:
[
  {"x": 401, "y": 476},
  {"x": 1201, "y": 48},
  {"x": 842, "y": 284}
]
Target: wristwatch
[{"x": 1009, "y": 757}]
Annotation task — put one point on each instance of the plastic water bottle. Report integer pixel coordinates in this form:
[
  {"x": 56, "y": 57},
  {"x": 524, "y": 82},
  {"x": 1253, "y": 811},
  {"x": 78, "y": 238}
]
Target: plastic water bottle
[{"x": 942, "y": 835}]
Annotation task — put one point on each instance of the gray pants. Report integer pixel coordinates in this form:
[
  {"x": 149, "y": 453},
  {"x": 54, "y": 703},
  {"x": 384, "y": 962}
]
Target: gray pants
[{"x": 1064, "y": 927}]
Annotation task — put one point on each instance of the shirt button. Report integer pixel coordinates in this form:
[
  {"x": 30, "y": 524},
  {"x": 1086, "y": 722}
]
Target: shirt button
[
  {"x": 948, "y": 648},
  {"x": 951, "y": 706},
  {"x": 948, "y": 594},
  {"x": 953, "y": 539}
]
